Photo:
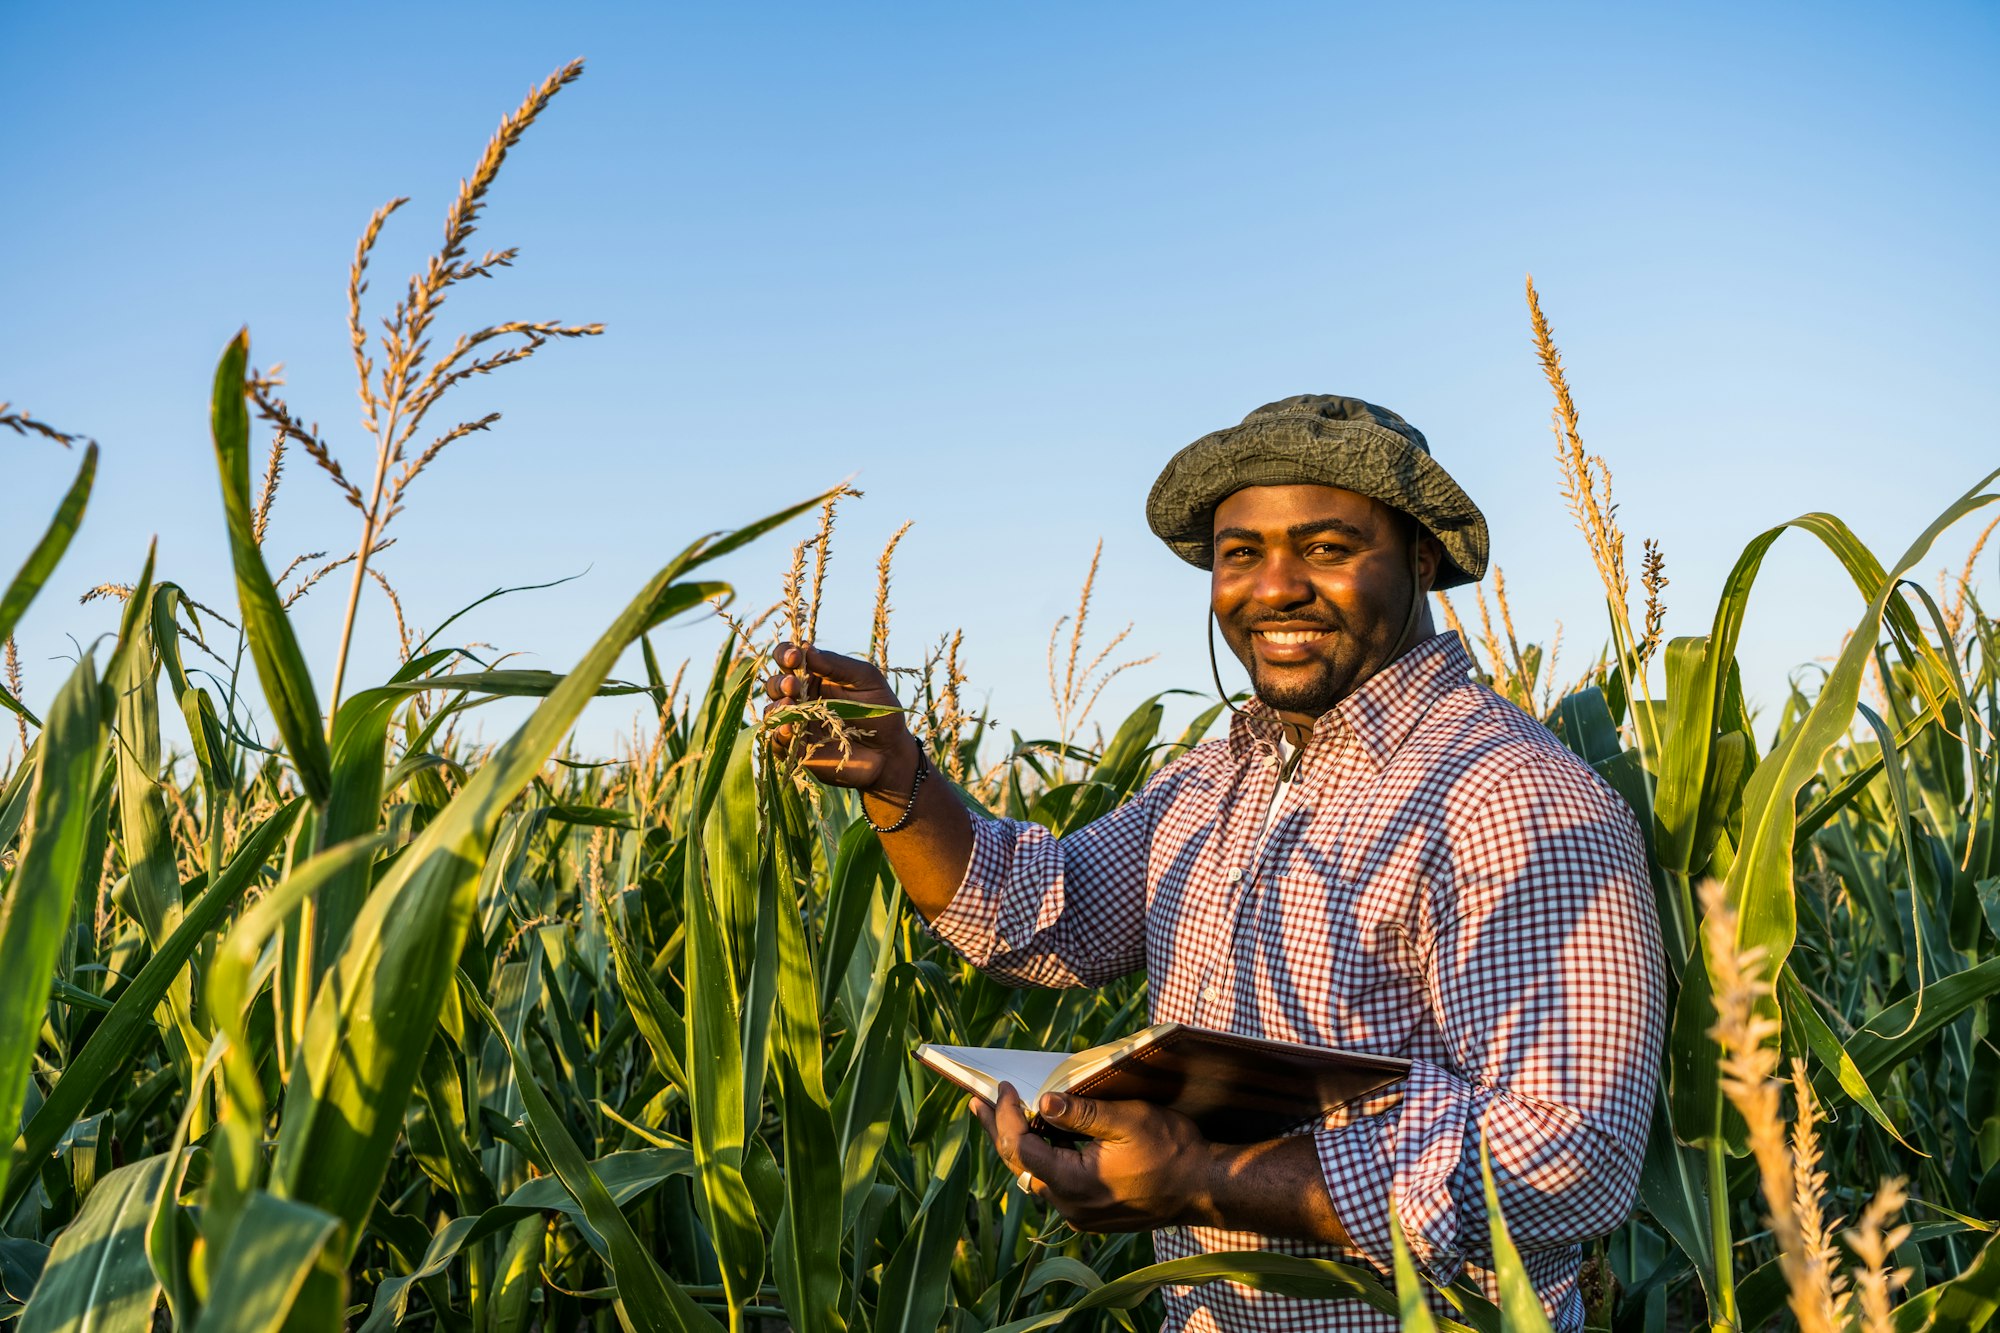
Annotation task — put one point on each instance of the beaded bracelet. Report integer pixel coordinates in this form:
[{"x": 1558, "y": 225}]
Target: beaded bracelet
[{"x": 923, "y": 767}]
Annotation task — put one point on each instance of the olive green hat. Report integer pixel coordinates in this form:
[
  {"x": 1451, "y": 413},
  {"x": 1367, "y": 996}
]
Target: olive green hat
[{"x": 1319, "y": 439}]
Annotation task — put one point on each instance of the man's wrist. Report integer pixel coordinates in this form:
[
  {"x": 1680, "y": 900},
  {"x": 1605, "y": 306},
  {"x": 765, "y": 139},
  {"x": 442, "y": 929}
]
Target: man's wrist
[
  {"x": 1206, "y": 1186},
  {"x": 892, "y": 786}
]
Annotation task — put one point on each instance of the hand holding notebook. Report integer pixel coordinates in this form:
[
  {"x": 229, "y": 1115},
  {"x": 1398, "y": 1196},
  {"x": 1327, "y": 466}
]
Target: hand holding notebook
[{"x": 1237, "y": 1089}]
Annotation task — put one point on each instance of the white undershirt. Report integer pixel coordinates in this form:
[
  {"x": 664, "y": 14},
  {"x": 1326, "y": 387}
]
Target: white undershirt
[{"x": 1282, "y": 790}]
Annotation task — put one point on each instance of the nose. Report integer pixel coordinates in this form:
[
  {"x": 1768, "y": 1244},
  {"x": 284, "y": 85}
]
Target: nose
[{"x": 1281, "y": 581}]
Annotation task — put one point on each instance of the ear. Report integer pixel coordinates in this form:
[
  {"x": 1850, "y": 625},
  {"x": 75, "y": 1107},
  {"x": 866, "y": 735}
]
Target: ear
[{"x": 1430, "y": 559}]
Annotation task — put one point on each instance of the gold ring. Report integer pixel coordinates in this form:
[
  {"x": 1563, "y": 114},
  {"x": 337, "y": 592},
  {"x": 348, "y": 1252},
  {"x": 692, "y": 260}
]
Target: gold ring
[{"x": 1026, "y": 1181}]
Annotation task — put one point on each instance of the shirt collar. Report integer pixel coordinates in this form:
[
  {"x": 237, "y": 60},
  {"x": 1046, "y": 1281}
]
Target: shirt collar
[{"x": 1381, "y": 714}]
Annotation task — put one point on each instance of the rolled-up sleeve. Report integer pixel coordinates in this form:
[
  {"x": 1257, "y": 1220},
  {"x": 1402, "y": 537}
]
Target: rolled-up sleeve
[
  {"x": 1543, "y": 961},
  {"x": 1038, "y": 910}
]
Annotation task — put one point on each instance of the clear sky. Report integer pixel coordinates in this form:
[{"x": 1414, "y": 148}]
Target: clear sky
[{"x": 997, "y": 263}]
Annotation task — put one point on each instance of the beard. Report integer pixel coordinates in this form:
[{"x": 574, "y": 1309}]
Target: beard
[{"x": 1310, "y": 689}]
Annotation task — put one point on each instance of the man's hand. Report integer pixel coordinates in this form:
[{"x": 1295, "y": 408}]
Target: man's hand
[
  {"x": 931, "y": 842},
  {"x": 1145, "y": 1167},
  {"x": 1141, "y": 1167},
  {"x": 875, "y": 754}
]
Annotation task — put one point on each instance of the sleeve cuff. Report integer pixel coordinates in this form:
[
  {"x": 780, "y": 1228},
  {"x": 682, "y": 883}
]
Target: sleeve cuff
[
  {"x": 969, "y": 923},
  {"x": 1410, "y": 1154}
]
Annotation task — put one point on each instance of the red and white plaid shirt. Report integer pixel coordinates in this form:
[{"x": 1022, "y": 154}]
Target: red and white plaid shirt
[{"x": 1444, "y": 881}]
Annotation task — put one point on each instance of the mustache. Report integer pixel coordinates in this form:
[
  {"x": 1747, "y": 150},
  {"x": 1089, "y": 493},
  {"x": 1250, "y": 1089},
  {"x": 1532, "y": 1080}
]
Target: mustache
[{"x": 1249, "y": 621}]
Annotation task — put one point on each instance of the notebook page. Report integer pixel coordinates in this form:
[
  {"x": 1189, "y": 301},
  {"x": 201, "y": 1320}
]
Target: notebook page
[{"x": 1026, "y": 1070}]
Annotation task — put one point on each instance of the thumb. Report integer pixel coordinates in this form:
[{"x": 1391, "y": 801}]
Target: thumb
[{"x": 1082, "y": 1115}]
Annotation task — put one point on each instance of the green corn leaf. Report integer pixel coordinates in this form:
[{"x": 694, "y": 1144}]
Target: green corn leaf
[
  {"x": 1963, "y": 1304},
  {"x": 14, "y": 799},
  {"x": 48, "y": 552},
  {"x": 133, "y": 680},
  {"x": 648, "y": 1299},
  {"x": 124, "y": 1030},
  {"x": 626, "y": 1176},
  {"x": 1288, "y": 1274},
  {"x": 716, "y": 1057},
  {"x": 519, "y": 684},
  {"x": 97, "y": 1279},
  {"x": 35, "y": 912},
  {"x": 915, "y": 1283},
  {"x": 1123, "y": 765},
  {"x": 1819, "y": 1038},
  {"x": 1520, "y": 1308},
  {"x": 353, "y": 808},
  {"x": 169, "y": 1231},
  {"x": 1902, "y": 1029},
  {"x": 867, "y": 1100},
  {"x": 156, "y": 887},
  {"x": 373, "y": 1014},
  {"x": 444, "y": 1098},
  {"x": 857, "y": 864},
  {"x": 1410, "y": 1300},
  {"x": 663, "y": 1030},
  {"x": 806, "y": 1255},
  {"x": 288, "y": 687},
  {"x": 1760, "y": 875},
  {"x": 1673, "y": 1186},
  {"x": 1760, "y": 878},
  {"x": 236, "y": 1145},
  {"x": 254, "y": 1284}
]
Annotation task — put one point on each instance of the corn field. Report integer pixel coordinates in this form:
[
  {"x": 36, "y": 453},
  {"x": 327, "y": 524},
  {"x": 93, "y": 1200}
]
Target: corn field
[{"x": 350, "y": 1022}]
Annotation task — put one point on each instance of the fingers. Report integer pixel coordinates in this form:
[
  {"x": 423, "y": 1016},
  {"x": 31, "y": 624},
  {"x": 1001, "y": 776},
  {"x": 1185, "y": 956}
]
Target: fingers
[
  {"x": 1083, "y": 1115},
  {"x": 835, "y": 674},
  {"x": 1006, "y": 1124}
]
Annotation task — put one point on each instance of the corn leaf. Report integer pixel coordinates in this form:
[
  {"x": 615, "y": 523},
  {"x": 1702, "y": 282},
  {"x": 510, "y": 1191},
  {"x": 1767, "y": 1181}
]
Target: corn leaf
[
  {"x": 255, "y": 1282},
  {"x": 1520, "y": 1307},
  {"x": 119, "y": 1037},
  {"x": 373, "y": 1014},
  {"x": 47, "y": 552},
  {"x": 716, "y": 1058},
  {"x": 97, "y": 1278},
  {"x": 648, "y": 1299},
  {"x": 36, "y": 909},
  {"x": 288, "y": 687}
]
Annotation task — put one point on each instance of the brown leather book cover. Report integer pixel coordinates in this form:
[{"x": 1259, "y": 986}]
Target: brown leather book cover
[{"x": 1240, "y": 1089}]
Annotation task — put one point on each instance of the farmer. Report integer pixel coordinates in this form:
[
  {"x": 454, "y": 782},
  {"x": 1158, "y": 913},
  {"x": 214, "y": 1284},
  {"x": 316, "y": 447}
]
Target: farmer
[{"x": 1383, "y": 856}]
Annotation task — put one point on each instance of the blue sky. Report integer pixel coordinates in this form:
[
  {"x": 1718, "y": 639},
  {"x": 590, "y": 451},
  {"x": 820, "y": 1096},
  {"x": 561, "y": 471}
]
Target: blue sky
[{"x": 997, "y": 263}]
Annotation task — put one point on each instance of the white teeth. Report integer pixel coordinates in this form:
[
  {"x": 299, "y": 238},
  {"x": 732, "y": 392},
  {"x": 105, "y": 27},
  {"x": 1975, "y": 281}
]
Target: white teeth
[{"x": 1292, "y": 635}]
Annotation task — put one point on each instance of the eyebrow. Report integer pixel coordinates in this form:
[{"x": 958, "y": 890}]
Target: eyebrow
[{"x": 1298, "y": 531}]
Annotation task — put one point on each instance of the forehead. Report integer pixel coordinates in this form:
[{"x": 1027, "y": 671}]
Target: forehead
[{"x": 1275, "y": 508}]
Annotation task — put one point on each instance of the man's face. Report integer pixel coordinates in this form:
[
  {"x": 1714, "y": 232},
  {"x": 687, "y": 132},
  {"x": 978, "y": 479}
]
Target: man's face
[{"x": 1312, "y": 587}]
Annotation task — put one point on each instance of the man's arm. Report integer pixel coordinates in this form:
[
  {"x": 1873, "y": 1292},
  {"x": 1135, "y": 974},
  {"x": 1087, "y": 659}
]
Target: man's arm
[
  {"x": 1543, "y": 955},
  {"x": 1021, "y": 905}
]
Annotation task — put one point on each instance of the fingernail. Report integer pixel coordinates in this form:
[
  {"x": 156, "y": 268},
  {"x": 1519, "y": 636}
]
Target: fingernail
[{"x": 1055, "y": 1104}]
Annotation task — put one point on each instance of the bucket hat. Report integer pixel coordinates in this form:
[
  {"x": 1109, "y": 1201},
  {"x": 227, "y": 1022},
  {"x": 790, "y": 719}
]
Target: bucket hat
[{"x": 1319, "y": 439}]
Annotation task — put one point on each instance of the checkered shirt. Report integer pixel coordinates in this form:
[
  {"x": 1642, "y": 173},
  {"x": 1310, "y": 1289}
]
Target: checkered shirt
[{"x": 1445, "y": 882}]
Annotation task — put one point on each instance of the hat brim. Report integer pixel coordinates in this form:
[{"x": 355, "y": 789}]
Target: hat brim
[{"x": 1357, "y": 456}]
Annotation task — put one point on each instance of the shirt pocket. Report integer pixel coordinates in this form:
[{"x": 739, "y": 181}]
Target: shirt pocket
[{"x": 1351, "y": 951}]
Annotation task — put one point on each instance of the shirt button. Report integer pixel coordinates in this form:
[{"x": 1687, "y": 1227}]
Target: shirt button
[
  {"x": 1208, "y": 992},
  {"x": 1234, "y": 877}
]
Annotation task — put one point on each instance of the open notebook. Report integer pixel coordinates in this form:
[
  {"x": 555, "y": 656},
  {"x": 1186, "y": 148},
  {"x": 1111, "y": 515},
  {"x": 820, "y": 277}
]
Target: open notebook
[{"x": 1238, "y": 1089}]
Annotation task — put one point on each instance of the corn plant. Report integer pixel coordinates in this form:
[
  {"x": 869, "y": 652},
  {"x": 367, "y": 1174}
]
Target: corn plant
[{"x": 366, "y": 1024}]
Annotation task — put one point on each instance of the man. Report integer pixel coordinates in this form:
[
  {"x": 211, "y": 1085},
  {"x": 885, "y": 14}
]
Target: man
[{"x": 1383, "y": 855}]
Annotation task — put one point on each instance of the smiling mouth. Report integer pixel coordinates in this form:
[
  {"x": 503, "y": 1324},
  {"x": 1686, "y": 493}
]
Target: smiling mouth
[{"x": 1291, "y": 636}]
